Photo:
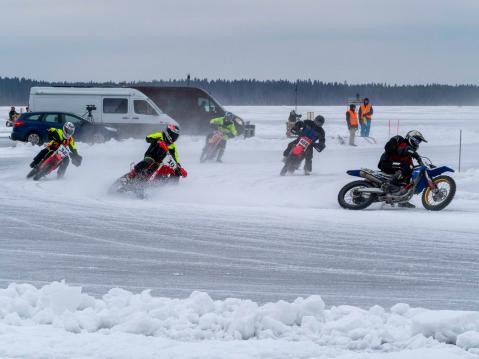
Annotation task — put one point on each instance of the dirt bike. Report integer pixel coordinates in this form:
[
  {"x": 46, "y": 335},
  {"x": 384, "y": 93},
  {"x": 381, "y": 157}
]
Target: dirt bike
[
  {"x": 437, "y": 190},
  {"x": 297, "y": 153},
  {"x": 154, "y": 174},
  {"x": 51, "y": 163},
  {"x": 212, "y": 146}
]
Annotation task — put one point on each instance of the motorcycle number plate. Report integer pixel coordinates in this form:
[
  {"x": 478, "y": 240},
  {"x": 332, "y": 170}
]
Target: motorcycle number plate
[
  {"x": 169, "y": 161},
  {"x": 303, "y": 142},
  {"x": 63, "y": 151}
]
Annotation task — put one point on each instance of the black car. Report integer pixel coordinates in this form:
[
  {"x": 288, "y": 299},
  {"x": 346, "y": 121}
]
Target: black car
[{"x": 33, "y": 126}]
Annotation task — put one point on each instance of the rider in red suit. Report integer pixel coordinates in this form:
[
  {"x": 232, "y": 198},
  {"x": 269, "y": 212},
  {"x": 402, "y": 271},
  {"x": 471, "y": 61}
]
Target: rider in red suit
[{"x": 398, "y": 160}]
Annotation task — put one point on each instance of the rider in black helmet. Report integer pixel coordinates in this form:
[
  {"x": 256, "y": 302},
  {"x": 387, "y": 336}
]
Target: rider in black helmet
[
  {"x": 316, "y": 126},
  {"x": 160, "y": 144}
]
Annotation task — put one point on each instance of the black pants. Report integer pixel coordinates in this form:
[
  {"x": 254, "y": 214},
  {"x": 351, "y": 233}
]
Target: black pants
[
  {"x": 308, "y": 154},
  {"x": 41, "y": 155},
  {"x": 148, "y": 165},
  {"x": 392, "y": 167}
]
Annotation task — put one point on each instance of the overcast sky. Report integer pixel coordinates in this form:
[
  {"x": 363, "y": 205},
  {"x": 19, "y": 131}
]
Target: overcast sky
[{"x": 392, "y": 41}]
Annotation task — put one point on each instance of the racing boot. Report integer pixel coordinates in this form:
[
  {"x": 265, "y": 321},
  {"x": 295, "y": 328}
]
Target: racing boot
[
  {"x": 307, "y": 172},
  {"x": 406, "y": 205}
]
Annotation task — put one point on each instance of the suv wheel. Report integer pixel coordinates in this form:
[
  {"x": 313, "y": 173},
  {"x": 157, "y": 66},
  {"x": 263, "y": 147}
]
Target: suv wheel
[{"x": 34, "y": 139}]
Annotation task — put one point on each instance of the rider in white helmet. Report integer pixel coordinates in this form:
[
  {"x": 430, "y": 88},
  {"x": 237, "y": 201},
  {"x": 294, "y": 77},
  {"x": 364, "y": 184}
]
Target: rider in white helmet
[{"x": 59, "y": 137}]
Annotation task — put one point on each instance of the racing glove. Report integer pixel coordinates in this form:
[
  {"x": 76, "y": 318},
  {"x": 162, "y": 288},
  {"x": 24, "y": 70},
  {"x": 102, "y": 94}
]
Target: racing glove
[
  {"x": 319, "y": 146},
  {"x": 76, "y": 159},
  {"x": 180, "y": 171},
  {"x": 416, "y": 156}
]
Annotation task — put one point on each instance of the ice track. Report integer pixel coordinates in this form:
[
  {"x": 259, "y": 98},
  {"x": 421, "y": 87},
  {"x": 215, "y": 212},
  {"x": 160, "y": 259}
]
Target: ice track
[{"x": 240, "y": 230}]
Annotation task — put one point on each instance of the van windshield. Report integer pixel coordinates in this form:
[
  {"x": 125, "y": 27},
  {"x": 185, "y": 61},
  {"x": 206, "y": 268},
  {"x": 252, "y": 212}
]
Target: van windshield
[{"x": 144, "y": 108}]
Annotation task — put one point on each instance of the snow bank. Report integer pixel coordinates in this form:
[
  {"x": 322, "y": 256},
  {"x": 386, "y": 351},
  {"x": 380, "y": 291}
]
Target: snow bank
[{"x": 199, "y": 317}]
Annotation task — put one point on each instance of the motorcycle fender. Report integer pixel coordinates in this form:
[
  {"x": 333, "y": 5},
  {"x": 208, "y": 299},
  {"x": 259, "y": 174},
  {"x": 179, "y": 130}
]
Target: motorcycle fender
[
  {"x": 355, "y": 173},
  {"x": 431, "y": 173},
  {"x": 439, "y": 170}
]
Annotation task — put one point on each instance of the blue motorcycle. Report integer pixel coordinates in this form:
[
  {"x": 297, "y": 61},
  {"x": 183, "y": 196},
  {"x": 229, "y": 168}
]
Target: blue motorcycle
[{"x": 437, "y": 190}]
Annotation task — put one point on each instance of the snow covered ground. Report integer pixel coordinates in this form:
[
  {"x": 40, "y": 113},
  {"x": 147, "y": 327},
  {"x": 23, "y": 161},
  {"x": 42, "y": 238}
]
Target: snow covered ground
[{"x": 240, "y": 230}]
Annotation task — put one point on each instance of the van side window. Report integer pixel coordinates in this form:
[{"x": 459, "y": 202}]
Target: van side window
[
  {"x": 115, "y": 105},
  {"x": 143, "y": 108}
]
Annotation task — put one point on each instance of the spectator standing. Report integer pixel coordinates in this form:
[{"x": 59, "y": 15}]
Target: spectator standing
[
  {"x": 365, "y": 115},
  {"x": 12, "y": 116},
  {"x": 352, "y": 121}
]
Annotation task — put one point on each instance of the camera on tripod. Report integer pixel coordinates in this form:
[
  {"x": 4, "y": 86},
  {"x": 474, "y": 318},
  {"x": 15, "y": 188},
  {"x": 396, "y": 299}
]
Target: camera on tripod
[{"x": 89, "y": 109}]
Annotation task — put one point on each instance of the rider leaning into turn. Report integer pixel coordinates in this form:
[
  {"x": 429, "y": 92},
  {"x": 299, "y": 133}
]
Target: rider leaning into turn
[
  {"x": 226, "y": 125},
  {"x": 314, "y": 130},
  {"x": 398, "y": 161},
  {"x": 58, "y": 137},
  {"x": 160, "y": 144}
]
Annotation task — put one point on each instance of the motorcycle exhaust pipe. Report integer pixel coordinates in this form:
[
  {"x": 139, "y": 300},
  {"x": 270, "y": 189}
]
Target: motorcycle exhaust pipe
[
  {"x": 370, "y": 190},
  {"x": 370, "y": 177}
]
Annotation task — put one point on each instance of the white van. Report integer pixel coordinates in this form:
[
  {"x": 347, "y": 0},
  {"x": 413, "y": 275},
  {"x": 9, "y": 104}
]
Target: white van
[{"x": 126, "y": 109}]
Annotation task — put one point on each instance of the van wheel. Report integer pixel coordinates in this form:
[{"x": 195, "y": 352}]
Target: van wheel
[
  {"x": 34, "y": 139},
  {"x": 98, "y": 138}
]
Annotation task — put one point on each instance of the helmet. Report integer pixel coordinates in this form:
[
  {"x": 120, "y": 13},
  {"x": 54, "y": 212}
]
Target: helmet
[
  {"x": 414, "y": 138},
  {"x": 319, "y": 120},
  {"x": 172, "y": 133},
  {"x": 366, "y": 101},
  {"x": 68, "y": 130},
  {"x": 228, "y": 118},
  {"x": 352, "y": 106}
]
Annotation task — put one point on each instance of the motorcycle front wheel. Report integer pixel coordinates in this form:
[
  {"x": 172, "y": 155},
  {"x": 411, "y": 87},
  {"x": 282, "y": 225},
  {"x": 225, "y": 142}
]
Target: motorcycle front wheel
[
  {"x": 208, "y": 153},
  {"x": 349, "y": 198},
  {"x": 44, "y": 170},
  {"x": 32, "y": 172},
  {"x": 440, "y": 197}
]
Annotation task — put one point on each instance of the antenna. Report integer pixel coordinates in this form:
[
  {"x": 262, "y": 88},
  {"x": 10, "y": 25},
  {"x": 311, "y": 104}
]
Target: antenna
[{"x": 296, "y": 96}]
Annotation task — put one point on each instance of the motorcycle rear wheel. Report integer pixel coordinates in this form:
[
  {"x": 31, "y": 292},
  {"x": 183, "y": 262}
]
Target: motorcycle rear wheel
[
  {"x": 357, "y": 201},
  {"x": 204, "y": 155},
  {"x": 436, "y": 201}
]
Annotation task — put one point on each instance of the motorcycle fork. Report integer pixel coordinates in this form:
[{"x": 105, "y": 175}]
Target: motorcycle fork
[{"x": 430, "y": 182}]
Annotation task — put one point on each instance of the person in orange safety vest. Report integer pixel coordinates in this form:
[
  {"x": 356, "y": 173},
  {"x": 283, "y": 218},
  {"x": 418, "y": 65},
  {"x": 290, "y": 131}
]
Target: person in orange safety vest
[
  {"x": 365, "y": 115},
  {"x": 353, "y": 123}
]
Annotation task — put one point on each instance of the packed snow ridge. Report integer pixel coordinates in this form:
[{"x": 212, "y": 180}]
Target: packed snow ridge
[{"x": 199, "y": 317}]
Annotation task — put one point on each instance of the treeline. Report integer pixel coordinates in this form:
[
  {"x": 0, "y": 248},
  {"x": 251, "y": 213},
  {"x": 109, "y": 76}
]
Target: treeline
[{"x": 281, "y": 92}]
